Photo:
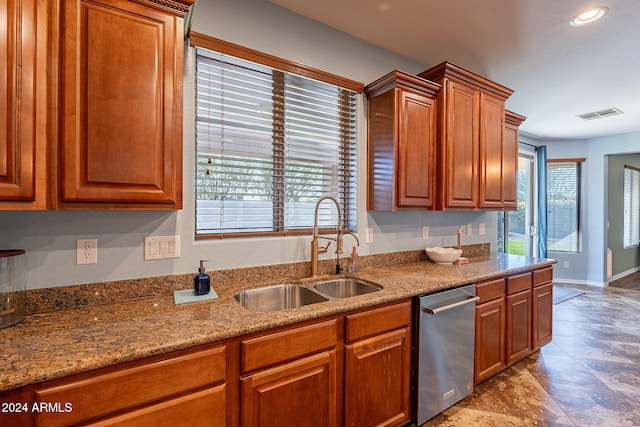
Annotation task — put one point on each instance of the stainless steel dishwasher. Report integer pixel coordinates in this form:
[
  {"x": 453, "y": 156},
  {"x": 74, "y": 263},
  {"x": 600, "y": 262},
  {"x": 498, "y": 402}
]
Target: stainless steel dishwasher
[{"x": 444, "y": 350}]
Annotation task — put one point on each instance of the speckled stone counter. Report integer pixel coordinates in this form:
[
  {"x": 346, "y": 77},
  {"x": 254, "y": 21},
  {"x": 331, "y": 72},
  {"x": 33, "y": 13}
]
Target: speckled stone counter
[{"x": 59, "y": 343}]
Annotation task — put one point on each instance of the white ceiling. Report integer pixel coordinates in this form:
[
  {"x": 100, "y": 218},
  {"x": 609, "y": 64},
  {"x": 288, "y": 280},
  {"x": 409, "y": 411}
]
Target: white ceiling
[{"x": 557, "y": 71}]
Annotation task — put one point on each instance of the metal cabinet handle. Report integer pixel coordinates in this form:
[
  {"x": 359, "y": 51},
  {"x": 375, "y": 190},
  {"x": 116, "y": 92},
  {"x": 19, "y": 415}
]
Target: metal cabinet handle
[{"x": 434, "y": 311}]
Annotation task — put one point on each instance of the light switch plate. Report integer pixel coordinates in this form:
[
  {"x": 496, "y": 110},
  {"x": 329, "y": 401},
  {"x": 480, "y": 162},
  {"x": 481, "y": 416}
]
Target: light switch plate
[
  {"x": 482, "y": 230},
  {"x": 161, "y": 247},
  {"x": 425, "y": 231}
]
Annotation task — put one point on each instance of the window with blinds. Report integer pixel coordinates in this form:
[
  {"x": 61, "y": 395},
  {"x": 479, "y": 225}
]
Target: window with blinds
[
  {"x": 631, "y": 200},
  {"x": 269, "y": 144},
  {"x": 563, "y": 205}
]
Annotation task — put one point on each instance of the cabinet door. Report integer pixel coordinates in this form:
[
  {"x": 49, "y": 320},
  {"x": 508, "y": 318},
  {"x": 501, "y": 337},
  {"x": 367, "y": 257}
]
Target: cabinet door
[
  {"x": 416, "y": 169},
  {"x": 461, "y": 146},
  {"x": 17, "y": 100},
  {"x": 542, "y": 315},
  {"x": 491, "y": 152},
  {"x": 510, "y": 167},
  {"x": 519, "y": 320},
  {"x": 490, "y": 339},
  {"x": 299, "y": 393},
  {"x": 377, "y": 380},
  {"x": 121, "y": 129}
]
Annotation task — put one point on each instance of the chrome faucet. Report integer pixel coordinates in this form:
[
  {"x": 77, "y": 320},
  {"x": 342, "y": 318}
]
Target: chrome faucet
[{"x": 315, "y": 250}]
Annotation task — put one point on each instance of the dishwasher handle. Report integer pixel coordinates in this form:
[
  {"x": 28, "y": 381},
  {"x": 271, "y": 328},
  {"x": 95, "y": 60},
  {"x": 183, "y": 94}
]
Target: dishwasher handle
[{"x": 434, "y": 311}]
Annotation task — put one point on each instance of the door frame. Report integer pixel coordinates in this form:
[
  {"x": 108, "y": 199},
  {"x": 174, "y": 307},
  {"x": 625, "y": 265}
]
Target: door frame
[{"x": 531, "y": 217}]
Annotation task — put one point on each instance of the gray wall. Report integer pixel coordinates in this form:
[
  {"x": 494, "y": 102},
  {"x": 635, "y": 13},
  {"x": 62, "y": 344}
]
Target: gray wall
[
  {"x": 624, "y": 259},
  {"x": 50, "y": 237},
  {"x": 578, "y": 263},
  {"x": 589, "y": 266}
]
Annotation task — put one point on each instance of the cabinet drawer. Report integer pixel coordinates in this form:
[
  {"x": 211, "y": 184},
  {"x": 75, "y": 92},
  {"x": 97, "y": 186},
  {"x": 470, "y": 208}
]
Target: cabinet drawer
[
  {"x": 282, "y": 346},
  {"x": 493, "y": 289},
  {"x": 203, "y": 408},
  {"x": 125, "y": 388},
  {"x": 542, "y": 276},
  {"x": 519, "y": 282},
  {"x": 377, "y": 321}
]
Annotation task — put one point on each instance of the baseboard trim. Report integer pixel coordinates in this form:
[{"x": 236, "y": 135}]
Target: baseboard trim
[
  {"x": 559, "y": 280},
  {"x": 623, "y": 274}
]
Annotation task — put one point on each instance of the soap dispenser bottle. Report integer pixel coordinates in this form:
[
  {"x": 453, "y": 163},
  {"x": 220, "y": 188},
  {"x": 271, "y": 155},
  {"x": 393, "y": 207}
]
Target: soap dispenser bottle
[
  {"x": 355, "y": 263},
  {"x": 201, "y": 281}
]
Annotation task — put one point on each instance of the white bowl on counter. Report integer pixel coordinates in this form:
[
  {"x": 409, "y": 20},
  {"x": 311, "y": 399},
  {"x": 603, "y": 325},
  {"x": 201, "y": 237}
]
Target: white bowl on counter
[{"x": 443, "y": 255}]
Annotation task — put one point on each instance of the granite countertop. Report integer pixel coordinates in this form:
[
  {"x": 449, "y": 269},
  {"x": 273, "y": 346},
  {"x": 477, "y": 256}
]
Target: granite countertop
[{"x": 61, "y": 343}]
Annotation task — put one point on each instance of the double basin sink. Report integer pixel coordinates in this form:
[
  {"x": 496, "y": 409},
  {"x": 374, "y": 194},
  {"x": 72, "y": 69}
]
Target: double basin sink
[{"x": 281, "y": 297}]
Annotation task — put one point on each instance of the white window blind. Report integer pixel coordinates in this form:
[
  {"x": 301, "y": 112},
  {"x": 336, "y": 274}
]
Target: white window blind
[
  {"x": 563, "y": 205},
  {"x": 269, "y": 144},
  {"x": 631, "y": 200}
]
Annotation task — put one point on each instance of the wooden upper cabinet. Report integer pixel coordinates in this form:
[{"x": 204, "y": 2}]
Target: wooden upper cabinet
[
  {"x": 459, "y": 148},
  {"x": 121, "y": 104},
  {"x": 401, "y": 138},
  {"x": 510, "y": 162},
  {"x": 22, "y": 101},
  {"x": 471, "y": 132},
  {"x": 492, "y": 155}
]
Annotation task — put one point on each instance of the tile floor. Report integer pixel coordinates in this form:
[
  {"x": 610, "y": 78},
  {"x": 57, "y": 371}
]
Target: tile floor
[{"x": 589, "y": 375}]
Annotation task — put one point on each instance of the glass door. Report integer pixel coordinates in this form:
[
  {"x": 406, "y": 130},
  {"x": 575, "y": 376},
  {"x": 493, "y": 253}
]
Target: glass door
[{"x": 516, "y": 234}]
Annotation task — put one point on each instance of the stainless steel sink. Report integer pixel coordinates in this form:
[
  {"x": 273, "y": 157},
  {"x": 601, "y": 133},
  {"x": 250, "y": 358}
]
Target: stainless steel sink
[
  {"x": 278, "y": 297},
  {"x": 345, "y": 288}
]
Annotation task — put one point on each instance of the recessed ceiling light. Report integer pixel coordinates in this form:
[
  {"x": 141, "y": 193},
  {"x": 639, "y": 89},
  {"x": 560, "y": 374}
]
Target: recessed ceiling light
[{"x": 589, "y": 16}]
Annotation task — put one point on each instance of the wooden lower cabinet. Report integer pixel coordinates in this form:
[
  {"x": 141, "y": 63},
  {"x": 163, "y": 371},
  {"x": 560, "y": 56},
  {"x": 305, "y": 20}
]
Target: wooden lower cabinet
[
  {"x": 350, "y": 369},
  {"x": 513, "y": 319},
  {"x": 307, "y": 376},
  {"x": 542, "y": 315},
  {"x": 299, "y": 393},
  {"x": 377, "y": 380},
  {"x": 490, "y": 350},
  {"x": 518, "y": 326},
  {"x": 378, "y": 366}
]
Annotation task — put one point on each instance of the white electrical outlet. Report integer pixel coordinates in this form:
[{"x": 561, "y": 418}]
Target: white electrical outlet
[
  {"x": 161, "y": 247},
  {"x": 87, "y": 251},
  {"x": 565, "y": 264},
  {"x": 368, "y": 238},
  {"x": 469, "y": 229},
  {"x": 482, "y": 229},
  {"x": 425, "y": 231}
]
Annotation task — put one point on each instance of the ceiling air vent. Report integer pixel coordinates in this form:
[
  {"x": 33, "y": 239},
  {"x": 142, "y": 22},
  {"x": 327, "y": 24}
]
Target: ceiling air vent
[{"x": 600, "y": 114}]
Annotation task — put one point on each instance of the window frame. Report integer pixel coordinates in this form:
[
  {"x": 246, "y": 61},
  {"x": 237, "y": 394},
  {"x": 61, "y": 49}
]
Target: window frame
[
  {"x": 631, "y": 237},
  {"x": 578, "y": 164},
  {"x": 280, "y": 65}
]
